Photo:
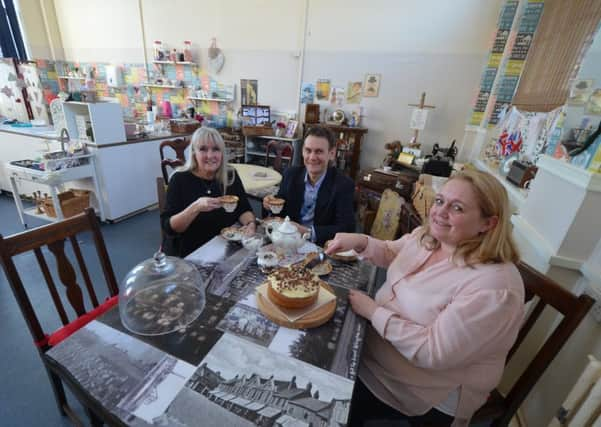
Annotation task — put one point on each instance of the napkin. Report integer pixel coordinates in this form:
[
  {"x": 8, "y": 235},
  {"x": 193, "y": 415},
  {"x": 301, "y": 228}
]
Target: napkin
[{"x": 293, "y": 314}]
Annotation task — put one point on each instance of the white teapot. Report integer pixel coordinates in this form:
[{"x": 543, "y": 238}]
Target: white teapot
[{"x": 286, "y": 236}]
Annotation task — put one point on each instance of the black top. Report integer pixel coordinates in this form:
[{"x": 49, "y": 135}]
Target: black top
[
  {"x": 334, "y": 207},
  {"x": 184, "y": 188}
]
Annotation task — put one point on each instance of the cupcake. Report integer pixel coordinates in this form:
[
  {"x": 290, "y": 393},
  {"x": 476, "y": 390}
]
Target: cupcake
[{"x": 229, "y": 203}]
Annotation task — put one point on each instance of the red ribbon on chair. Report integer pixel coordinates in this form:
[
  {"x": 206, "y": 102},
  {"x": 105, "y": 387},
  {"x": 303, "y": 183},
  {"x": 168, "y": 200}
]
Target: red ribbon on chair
[{"x": 67, "y": 330}]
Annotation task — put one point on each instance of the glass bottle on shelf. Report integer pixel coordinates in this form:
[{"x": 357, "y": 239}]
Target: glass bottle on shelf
[
  {"x": 157, "y": 50},
  {"x": 173, "y": 56},
  {"x": 187, "y": 51}
]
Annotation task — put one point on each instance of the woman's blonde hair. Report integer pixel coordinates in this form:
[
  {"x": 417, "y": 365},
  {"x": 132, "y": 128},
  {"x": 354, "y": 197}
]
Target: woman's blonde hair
[
  {"x": 203, "y": 135},
  {"x": 495, "y": 245}
]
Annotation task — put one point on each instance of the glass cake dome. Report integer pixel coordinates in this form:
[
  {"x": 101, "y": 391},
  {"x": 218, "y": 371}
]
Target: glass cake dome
[{"x": 161, "y": 295}]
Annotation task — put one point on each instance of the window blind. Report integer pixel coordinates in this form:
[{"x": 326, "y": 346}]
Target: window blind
[{"x": 563, "y": 34}]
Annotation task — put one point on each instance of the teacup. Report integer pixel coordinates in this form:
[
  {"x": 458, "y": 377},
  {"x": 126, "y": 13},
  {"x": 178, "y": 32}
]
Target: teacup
[
  {"x": 276, "y": 205},
  {"x": 267, "y": 259},
  {"x": 229, "y": 203}
]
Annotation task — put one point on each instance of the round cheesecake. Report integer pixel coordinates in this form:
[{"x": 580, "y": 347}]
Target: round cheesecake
[{"x": 293, "y": 287}]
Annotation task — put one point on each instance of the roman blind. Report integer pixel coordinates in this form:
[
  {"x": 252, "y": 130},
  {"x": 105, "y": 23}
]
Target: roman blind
[{"x": 565, "y": 31}]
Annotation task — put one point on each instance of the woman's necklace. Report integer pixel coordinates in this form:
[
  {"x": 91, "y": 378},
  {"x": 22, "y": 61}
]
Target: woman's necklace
[{"x": 206, "y": 184}]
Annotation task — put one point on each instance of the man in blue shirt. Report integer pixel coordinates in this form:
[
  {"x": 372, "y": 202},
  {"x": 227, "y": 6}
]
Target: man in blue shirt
[{"x": 318, "y": 197}]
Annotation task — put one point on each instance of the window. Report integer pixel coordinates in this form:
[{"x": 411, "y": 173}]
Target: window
[{"x": 11, "y": 41}]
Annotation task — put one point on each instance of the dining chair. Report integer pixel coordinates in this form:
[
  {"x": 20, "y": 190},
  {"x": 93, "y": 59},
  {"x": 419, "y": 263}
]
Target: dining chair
[
  {"x": 388, "y": 215},
  {"x": 283, "y": 151},
  {"x": 499, "y": 409},
  {"x": 81, "y": 300},
  {"x": 179, "y": 146}
]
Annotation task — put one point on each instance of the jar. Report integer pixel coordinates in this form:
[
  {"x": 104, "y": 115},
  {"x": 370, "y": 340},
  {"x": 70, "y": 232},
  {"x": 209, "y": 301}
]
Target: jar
[
  {"x": 157, "y": 50},
  {"x": 187, "y": 51},
  {"x": 161, "y": 295}
]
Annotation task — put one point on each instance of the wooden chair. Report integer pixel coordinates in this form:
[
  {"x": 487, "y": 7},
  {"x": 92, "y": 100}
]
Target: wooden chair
[
  {"x": 53, "y": 236},
  {"x": 386, "y": 223},
  {"x": 282, "y": 150},
  {"x": 178, "y": 145},
  {"x": 499, "y": 409}
]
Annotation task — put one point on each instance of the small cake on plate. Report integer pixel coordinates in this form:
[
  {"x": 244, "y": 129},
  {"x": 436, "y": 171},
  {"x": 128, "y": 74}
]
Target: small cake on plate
[{"x": 293, "y": 287}]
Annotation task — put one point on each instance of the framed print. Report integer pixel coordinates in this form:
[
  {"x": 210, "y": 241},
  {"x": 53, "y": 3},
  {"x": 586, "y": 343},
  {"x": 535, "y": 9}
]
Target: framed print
[
  {"x": 291, "y": 128},
  {"x": 371, "y": 85},
  {"x": 353, "y": 94}
]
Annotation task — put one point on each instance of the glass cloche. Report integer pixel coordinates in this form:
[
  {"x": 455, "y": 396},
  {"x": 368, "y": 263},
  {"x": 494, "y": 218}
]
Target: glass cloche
[{"x": 161, "y": 295}]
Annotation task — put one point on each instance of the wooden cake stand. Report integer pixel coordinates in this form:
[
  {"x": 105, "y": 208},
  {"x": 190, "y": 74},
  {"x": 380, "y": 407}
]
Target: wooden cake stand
[{"x": 311, "y": 320}]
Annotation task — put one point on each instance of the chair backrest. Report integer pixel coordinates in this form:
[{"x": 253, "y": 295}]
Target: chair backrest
[
  {"x": 282, "y": 151},
  {"x": 386, "y": 223},
  {"x": 572, "y": 307},
  {"x": 53, "y": 236},
  {"x": 178, "y": 145}
]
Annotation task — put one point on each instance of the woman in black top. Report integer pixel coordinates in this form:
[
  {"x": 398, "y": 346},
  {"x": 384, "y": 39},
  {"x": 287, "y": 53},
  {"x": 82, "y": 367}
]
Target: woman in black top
[{"x": 193, "y": 214}]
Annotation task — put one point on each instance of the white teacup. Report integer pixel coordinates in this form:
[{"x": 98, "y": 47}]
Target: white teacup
[
  {"x": 276, "y": 205},
  {"x": 229, "y": 203}
]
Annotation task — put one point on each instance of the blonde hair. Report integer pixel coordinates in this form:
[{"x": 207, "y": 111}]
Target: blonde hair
[
  {"x": 493, "y": 246},
  {"x": 203, "y": 135}
]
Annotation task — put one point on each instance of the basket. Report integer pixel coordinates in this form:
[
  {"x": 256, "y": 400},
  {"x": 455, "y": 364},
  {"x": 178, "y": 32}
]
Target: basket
[
  {"x": 257, "y": 131},
  {"x": 72, "y": 202},
  {"x": 183, "y": 126}
]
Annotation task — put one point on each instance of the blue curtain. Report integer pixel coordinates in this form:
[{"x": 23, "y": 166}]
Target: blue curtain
[{"x": 11, "y": 41}]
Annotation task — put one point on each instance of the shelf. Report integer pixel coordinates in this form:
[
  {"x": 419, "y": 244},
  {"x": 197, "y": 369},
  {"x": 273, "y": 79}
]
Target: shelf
[
  {"x": 175, "y": 62},
  {"x": 163, "y": 86},
  {"x": 271, "y": 155},
  {"x": 278, "y": 138},
  {"x": 194, "y": 98},
  {"x": 71, "y": 78}
]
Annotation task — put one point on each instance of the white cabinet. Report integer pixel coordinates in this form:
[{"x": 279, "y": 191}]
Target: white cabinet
[{"x": 104, "y": 118}]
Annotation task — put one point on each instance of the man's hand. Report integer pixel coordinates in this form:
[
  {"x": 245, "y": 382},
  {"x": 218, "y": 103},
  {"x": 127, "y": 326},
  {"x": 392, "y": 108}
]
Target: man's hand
[
  {"x": 362, "y": 304},
  {"x": 266, "y": 201}
]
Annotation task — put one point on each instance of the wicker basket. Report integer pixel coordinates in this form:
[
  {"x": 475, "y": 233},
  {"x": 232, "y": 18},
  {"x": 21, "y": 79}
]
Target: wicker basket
[
  {"x": 257, "y": 131},
  {"x": 183, "y": 125},
  {"x": 72, "y": 202}
]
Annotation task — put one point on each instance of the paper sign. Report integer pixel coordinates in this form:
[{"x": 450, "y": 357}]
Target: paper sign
[{"x": 418, "y": 119}]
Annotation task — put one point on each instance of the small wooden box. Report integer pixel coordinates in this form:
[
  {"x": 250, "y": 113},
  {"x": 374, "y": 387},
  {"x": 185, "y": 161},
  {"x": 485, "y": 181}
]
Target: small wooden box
[
  {"x": 183, "y": 125},
  {"x": 257, "y": 131},
  {"x": 72, "y": 202}
]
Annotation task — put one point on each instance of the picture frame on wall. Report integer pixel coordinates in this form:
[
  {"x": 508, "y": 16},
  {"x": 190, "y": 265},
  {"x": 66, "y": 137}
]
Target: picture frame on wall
[
  {"x": 371, "y": 85},
  {"x": 291, "y": 128}
]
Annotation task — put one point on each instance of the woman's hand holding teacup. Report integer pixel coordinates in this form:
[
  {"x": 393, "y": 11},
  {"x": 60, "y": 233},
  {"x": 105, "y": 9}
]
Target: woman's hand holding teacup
[
  {"x": 343, "y": 242},
  {"x": 206, "y": 204}
]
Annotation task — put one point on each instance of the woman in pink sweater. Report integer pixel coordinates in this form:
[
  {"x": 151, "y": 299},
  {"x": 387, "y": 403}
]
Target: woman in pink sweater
[{"x": 449, "y": 311}]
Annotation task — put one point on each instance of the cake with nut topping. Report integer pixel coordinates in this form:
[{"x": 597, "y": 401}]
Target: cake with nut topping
[{"x": 293, "y": 287}]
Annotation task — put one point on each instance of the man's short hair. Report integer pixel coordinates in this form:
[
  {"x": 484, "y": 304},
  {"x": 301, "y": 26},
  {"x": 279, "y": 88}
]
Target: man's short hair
[{"x": 322, "y": 132}]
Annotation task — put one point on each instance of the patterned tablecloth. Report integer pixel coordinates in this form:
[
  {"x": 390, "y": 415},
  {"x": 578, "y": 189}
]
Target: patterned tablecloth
[{"x": 232, "y": 366}]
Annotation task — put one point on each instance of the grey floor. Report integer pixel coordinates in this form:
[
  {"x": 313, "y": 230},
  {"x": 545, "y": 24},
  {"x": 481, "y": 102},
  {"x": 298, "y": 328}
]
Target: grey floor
[{"x": 26, "y": 398}]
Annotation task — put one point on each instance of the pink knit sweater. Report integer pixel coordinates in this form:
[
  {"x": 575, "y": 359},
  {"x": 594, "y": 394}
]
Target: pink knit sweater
[{"x": 444, "y": 329}]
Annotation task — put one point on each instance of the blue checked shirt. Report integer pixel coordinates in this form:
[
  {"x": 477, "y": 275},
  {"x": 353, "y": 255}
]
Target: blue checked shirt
[{"x": 307, "y": 212}]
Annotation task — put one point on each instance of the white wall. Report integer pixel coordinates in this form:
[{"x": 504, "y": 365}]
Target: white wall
[
  {"x": 429, "y": 45},
  {"x": 432, "y": 46}
]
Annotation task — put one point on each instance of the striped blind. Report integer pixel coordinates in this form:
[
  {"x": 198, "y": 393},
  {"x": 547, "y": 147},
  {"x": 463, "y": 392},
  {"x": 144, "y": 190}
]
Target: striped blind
[{"x": 565, "y": 31}]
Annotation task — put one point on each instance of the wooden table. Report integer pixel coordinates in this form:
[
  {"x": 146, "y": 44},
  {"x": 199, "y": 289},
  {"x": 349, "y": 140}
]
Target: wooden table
[
  {"x": 258, "y": 181},
  {"x": 231, "y": 366}
]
